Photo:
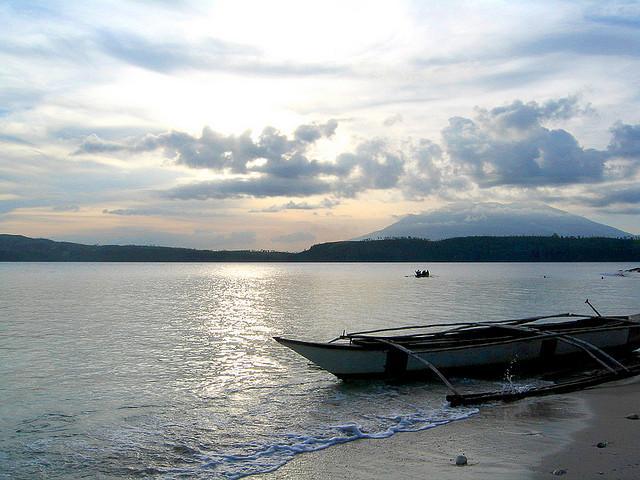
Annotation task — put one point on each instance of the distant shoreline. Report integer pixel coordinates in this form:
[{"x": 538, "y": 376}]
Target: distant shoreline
[{"x": 17, "y": 248}]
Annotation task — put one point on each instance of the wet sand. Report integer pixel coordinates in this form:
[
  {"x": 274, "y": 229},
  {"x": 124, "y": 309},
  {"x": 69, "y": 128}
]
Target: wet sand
[
  {"x": 619, "y": 437},
  {"x": 526, "y": 439}
]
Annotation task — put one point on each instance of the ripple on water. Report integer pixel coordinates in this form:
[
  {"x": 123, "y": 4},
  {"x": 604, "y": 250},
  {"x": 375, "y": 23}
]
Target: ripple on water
[{"x": 170, "y": 369}]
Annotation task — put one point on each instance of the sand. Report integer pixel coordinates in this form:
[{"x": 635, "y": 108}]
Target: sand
[
  {"x": 619, "y": 437},
  {"x": 530, "y": 438}
]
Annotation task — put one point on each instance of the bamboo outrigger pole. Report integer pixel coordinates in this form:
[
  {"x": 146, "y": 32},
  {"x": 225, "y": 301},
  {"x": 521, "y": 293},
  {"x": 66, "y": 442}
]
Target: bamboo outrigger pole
[{"x": 431, "y": 366}]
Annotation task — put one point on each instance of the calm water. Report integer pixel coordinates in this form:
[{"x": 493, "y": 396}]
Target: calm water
[{"x": 169, "y": 370}]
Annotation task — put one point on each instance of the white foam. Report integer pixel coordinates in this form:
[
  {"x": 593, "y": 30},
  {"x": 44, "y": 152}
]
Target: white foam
[{"x": 272, "y": 456}]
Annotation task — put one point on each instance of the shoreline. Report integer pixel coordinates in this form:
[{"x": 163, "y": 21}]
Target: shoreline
[
  {"x": 608, "y": 445},
  {"x": 528, "y": 439}
]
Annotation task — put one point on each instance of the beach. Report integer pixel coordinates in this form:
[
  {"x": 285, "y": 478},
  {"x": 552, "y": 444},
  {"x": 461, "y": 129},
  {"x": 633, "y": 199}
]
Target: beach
[{"x": 581, "y": 435}]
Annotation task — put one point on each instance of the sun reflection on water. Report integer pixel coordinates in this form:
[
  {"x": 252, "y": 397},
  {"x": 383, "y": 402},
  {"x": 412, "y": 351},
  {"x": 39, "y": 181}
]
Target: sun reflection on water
[{"x": 171, "y": 369}]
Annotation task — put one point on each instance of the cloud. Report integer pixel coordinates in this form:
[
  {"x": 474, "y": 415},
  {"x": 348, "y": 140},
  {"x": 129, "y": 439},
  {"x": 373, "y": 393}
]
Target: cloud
[
  {"x": 272, "y": 165},
  {"x": 291, "y": 205},
  {"x": 585, "y": 41},
  {"x": 505, "y": 146},
  {"x": 425, "y": 170},
  {"x": 311, "y": 133},
  {"x": 392, "y": 120},
  {"x": 135, "y": 211},
  {"x": 509, "y": 146},
  {"x": 373, "y": 166},
  {"x": 295, "y": 237},
  {"x": 258, "y": 187},
  {"x": 66, "y": 208},
  {"x": 284, "y": 157},
  {"x": 622, "y": 210},
  {"x": 620, "y": 195},
  {"x": 522, "y": 116},
  {"x": 209, "y": 54},
  {"x": 13, "y": 139},
  {"x": 94, "y": 144},
  {"x": 625, "y": 140},
  {"x": 616, "y": 14}
]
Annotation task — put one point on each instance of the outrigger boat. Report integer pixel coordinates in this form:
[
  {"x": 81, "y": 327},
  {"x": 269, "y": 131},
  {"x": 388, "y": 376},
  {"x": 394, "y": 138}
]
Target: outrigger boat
[{"x": 469, "y": 348}]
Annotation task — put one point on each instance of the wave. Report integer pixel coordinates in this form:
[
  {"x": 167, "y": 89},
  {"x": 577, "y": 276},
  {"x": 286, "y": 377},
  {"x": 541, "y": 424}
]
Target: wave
[{"x": 270, "y": 457}]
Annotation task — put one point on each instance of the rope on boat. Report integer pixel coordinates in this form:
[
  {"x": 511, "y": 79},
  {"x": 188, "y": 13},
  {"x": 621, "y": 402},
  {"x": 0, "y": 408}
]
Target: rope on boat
[
  {"x": 520, "y": 321},
  {"x": 432, "y": 325},
  {"x": 431, "y": 366}
]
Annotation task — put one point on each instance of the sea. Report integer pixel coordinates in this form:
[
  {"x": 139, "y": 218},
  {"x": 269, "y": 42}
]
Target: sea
[{"x": 163, "y": 370}]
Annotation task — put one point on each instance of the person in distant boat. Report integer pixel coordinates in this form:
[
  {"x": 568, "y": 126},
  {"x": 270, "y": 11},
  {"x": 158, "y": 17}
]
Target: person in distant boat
[
  {"x": 426, "y": 274},
  {"x": 418, "y": 273}
]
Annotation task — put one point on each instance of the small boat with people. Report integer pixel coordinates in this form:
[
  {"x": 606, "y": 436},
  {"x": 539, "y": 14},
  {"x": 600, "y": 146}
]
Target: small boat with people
[
  {"x": 631, "y": 272},
  {"x": 422, "y": 274},
  {"x": 476, "y": 347}
]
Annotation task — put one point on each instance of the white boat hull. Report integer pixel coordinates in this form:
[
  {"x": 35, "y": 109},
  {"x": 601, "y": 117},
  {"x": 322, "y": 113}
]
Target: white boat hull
[{"x": 350, "y": 360}]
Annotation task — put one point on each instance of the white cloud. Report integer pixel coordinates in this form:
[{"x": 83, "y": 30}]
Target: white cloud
[{"x": 144, "y": 77}]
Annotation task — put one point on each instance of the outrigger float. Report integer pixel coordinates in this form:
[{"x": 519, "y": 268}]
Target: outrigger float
[{"x": 543, "y": 343}]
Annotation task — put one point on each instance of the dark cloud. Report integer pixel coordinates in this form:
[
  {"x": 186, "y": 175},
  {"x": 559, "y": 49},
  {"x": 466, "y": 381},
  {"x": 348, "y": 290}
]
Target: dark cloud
[
  {"x": 621, "y": 20},
  {"x": 509, "y": 146},
  {"x": 521, "y": 116},
  {"x": 291, "y": 205},
  {"x": 622, "y": 210},
  {"x": 284, "y": 157},
  {"x": 424, "y": 170},
  {"x": 624, "y": 14},
  {"x": 588, "y": 41},
  {"x": 273, "y": 165},
  {"x": 625, "y": 140},
  {"x": 311, "y": 133},
  {"x": 373, "y": 166},
  {"x": 620, "y": 195},
  {"x": 259, "y": 187},
  {"x": 94, "y": 144}
]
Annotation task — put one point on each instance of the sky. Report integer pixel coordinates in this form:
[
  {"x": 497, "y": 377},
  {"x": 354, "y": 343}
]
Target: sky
[{"x": 277, "y": 125}]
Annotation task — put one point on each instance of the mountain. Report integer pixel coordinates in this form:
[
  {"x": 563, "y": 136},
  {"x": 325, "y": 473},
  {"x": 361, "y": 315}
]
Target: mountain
[
  {"x": 465, "y": 249},
  {"x": 477, "y": 249},
  {"x": 496, "y": 220},
  {"x": 24, "y": 249}
]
